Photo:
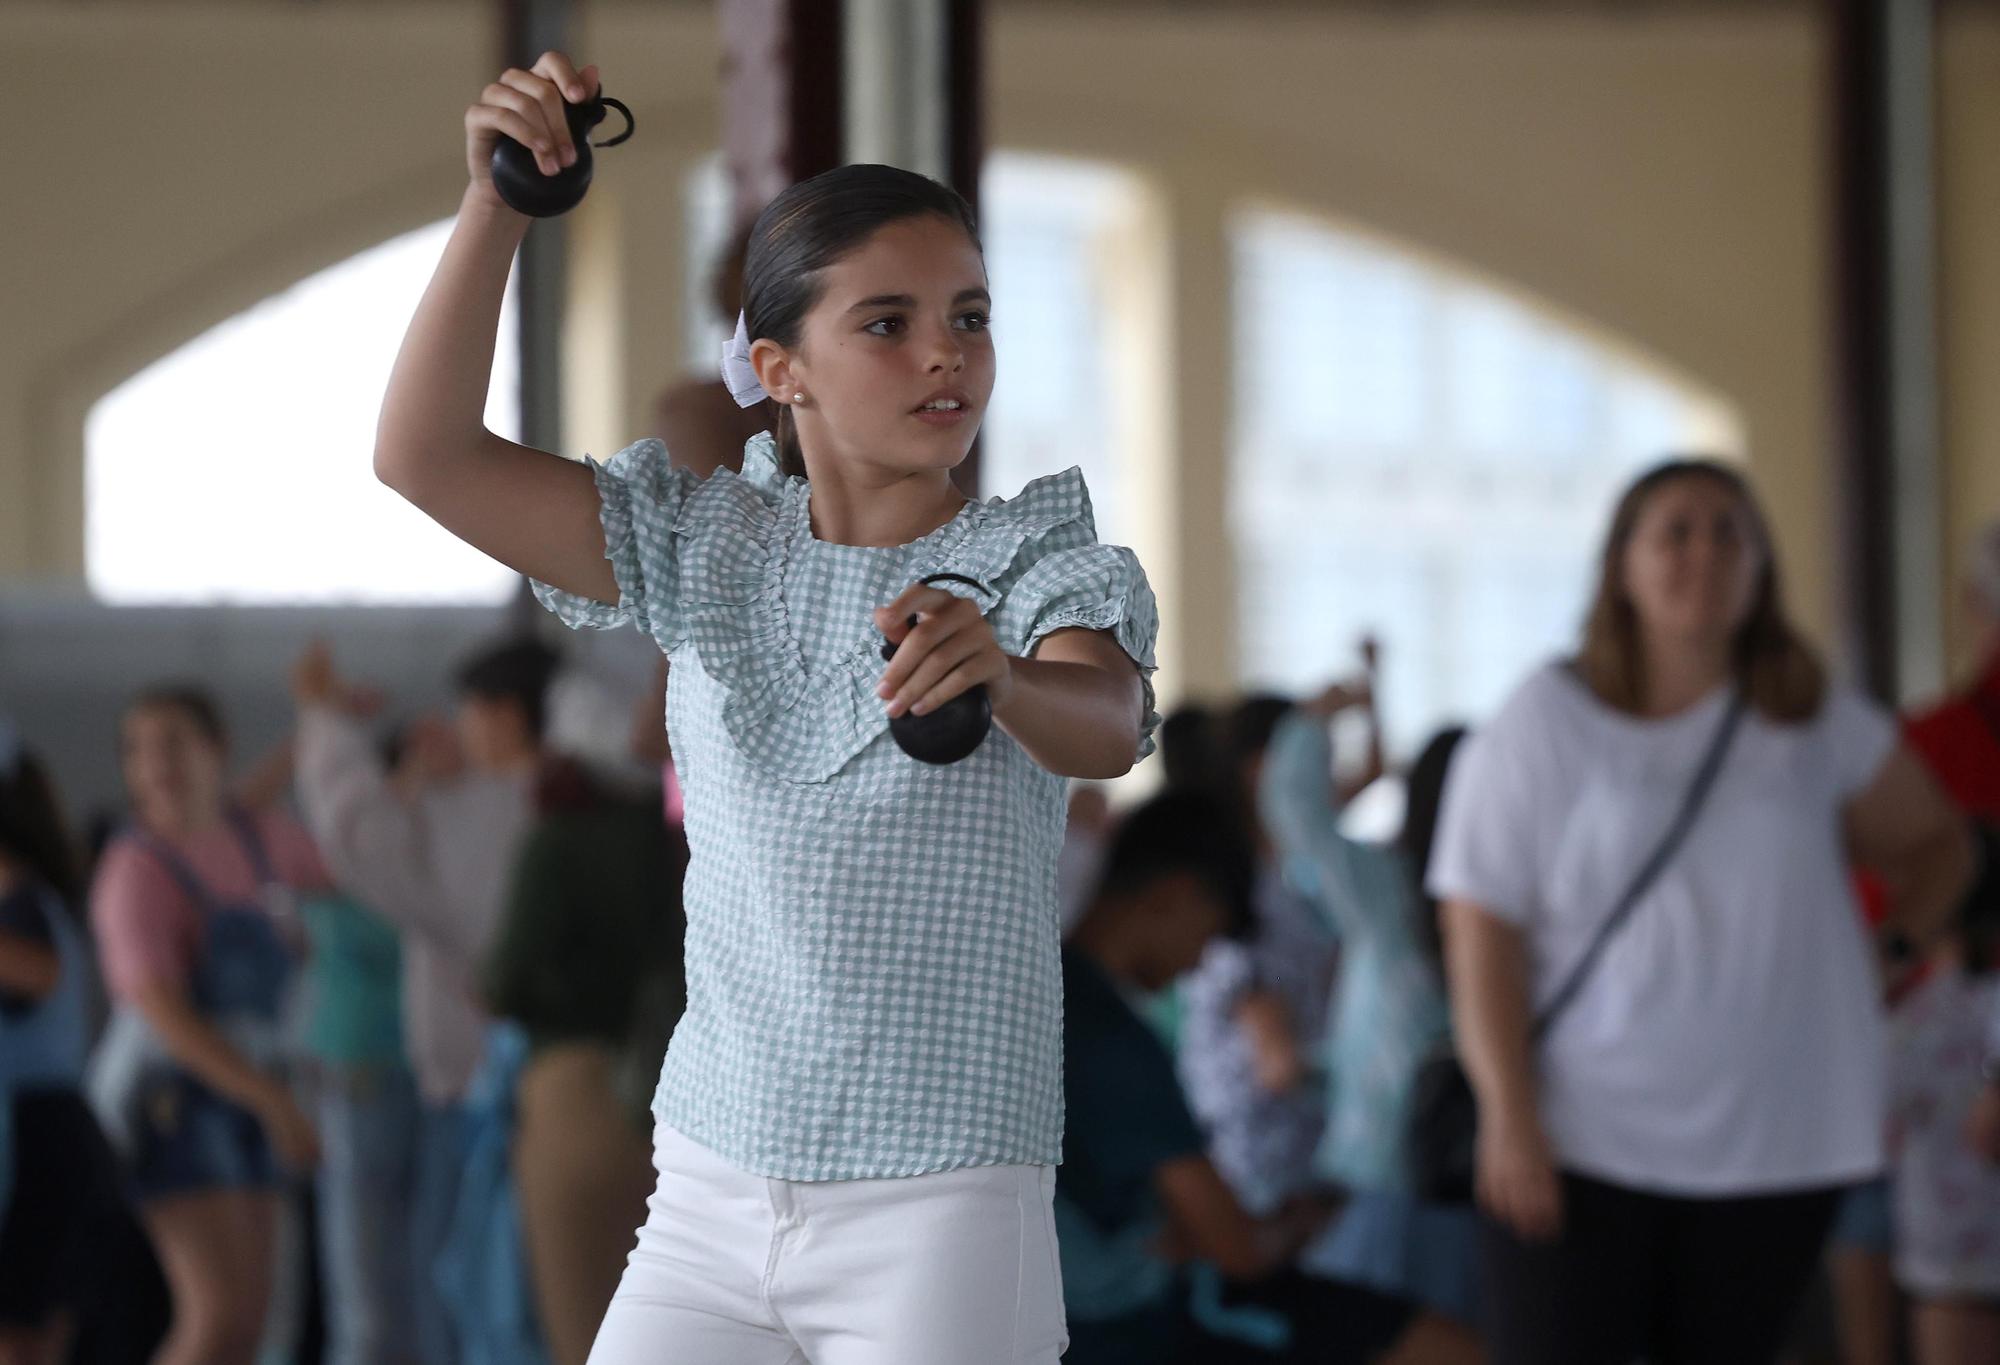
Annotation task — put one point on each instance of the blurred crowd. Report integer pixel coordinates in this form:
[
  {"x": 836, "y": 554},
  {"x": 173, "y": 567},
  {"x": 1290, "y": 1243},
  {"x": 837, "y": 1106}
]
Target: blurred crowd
[{"x": 347, "y": 1054}]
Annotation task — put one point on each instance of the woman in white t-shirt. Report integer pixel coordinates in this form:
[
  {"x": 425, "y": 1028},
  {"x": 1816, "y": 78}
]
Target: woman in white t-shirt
[{"x": 1659, "y": 1169}]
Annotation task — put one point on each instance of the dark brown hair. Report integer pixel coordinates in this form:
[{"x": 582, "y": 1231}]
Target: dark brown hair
[
  {"x": 1192, "y": 832},
  {"x": 1777, "y": 670},
  {"x": 33, "y": 831},
  {"x": 1191, "y": 749},
  {"x": 810, "y": 227},
  {"x": 520, "y": 671}
]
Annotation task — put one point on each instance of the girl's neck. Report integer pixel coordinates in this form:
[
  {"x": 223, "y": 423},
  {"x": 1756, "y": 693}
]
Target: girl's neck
[
  {"x": 855, "y": 504},
  {"x": 1679, "y": 673}
]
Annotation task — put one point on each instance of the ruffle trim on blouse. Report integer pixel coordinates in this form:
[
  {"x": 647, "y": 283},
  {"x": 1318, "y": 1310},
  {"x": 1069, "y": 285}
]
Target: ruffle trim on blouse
[
  {"x": 1092, "y": 587},
  {"x": 736, "y": 534},
  {"x": 645, "y": 464}
]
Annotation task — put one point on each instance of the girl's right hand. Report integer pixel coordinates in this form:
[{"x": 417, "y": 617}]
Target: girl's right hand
[
  {"x": 1516, "y": 1176},
  {"x": 527, "y": 106}
]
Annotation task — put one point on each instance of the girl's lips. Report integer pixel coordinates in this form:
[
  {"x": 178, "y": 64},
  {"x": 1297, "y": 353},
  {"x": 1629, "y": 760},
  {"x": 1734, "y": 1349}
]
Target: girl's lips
[{"x": 942, "y": 417}]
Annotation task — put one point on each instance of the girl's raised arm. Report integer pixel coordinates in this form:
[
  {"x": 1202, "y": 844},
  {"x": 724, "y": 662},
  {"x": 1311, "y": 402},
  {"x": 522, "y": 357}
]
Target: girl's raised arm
[{"x": 535, "y": 512}]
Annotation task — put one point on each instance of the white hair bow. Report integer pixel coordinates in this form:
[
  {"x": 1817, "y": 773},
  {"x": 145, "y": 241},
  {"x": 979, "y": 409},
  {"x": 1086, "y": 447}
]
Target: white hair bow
[{"x": 737, "y": 371}]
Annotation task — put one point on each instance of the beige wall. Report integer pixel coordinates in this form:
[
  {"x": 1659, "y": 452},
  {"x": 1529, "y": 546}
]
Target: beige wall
[
  {"x": 1969, "y": 316},
  {"x": 1656, "y": 178},
  {"x": 189, "y": 159},
  {"x": 1660, "y": 177}
]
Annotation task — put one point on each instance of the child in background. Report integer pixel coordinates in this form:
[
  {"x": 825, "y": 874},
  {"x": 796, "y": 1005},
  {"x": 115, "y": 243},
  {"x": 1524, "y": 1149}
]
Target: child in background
[{"x": 1947, "y": 1196}]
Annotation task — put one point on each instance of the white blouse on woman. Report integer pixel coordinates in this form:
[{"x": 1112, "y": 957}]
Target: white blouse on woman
[{"x": 1730, "y": 1038}]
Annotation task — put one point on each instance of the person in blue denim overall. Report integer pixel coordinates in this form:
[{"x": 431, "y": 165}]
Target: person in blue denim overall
[
  {"x": 181, "y": 1135},
  {"x": 188, "y": 1080}
]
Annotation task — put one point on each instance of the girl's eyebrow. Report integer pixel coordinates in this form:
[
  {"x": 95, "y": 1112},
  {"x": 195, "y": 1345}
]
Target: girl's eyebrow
[{"x": 909, "y": 301}]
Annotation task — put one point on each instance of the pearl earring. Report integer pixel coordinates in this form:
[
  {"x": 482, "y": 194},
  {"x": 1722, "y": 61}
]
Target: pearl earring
[{"x": 798, "y": 398}]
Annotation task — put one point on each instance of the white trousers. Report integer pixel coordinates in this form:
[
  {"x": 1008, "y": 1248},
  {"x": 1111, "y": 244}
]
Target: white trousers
[{"x": 955, "y": 1268}]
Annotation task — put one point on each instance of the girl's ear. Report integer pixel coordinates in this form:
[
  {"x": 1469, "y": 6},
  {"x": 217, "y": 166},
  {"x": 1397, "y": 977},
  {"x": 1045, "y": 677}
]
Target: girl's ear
[{"x": 773, "y": 364}]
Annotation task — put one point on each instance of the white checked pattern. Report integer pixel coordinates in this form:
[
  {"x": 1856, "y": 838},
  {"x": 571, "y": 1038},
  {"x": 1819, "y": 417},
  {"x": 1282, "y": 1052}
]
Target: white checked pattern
[{"x": 874, "y": 983}]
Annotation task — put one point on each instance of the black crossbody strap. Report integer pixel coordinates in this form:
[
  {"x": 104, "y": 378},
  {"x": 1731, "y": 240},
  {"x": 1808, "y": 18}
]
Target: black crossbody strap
[{"x": 1649, "y": 871}]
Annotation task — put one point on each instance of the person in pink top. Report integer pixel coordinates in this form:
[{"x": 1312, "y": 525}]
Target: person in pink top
[{"x": 191, "y": 908}]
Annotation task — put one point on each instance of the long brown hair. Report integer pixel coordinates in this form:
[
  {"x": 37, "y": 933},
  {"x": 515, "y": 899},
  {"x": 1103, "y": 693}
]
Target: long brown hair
[{"x": 1778, "y": 672}]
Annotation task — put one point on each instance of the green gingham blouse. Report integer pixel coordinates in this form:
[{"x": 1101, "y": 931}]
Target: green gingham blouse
[{"x": 874, "y": 985}]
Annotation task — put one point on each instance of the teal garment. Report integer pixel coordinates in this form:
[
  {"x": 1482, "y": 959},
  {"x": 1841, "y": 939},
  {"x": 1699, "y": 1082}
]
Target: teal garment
[
  {"x": 353, "y": 977},
  {"x": 1127, "y": 1118},
  {"x": 1389, "y": 1010},
  {"x": 1165, "y": 1012},
  {"x": 873, "y": 981},
  {"x": 1110, "y": 1273}
]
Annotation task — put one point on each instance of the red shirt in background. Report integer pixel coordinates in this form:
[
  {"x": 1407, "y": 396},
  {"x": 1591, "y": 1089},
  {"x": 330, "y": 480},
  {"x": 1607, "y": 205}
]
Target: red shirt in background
[{"x": 1959, "y": 741}]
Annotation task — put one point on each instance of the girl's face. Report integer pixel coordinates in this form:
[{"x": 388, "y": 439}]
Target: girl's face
[
  {"x": 1693, "y": 563},
  {"x": 895, "y": 359},
  {"x": 173, "y": 772}
]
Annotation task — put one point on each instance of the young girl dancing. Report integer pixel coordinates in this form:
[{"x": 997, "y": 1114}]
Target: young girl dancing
[{"x": 859, "y": 1115}]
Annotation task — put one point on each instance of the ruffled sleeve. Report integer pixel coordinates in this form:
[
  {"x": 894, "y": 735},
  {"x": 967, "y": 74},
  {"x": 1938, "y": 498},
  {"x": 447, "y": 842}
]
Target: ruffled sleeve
[
  {"x": 1061, "y": 577},
  {"x": 641, "y": 495}
]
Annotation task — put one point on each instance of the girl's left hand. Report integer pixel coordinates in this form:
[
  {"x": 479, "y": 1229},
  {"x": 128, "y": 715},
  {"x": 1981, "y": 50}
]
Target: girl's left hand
[{"x": 950, "y": 649}]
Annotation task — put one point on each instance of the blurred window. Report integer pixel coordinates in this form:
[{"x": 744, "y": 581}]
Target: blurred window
[
  {"x": 1428, "y": 458},
  {"x": 238, "y": 467}
]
